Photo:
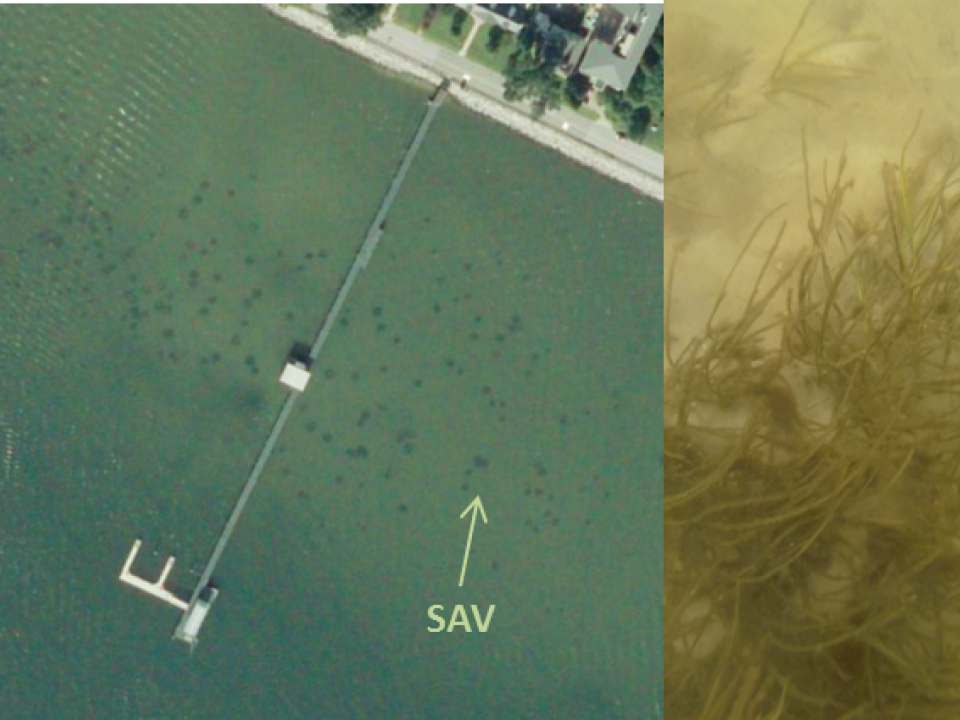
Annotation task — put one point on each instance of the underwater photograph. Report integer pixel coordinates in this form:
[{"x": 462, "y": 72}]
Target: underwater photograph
[{"x": 812, "y": 361}]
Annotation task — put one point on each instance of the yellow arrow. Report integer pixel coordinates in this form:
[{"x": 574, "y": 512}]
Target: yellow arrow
[{"x": 475, "y": 505}]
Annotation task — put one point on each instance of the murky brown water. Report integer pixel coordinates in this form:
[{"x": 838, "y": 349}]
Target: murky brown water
[
  {"x": 812, "y": 565},
  {"x": 734, "y": 143}
]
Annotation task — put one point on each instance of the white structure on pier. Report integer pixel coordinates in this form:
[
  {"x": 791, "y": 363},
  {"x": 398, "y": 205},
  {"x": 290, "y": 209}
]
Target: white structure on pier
[
  {"x": 193, "y": 614},
  {"x": 295, "y": 375},
  {"x": 192, "y": 621},
  {"x": 151, "y": 588}
]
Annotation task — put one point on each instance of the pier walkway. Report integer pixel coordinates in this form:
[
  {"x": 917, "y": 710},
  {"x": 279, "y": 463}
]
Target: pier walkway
[
  {"x": 359, "y": 263},
  {"x": 376, "y": 229}
]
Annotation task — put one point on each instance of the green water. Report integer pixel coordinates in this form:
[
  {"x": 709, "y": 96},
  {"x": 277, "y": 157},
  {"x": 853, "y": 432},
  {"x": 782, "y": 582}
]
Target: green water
[{"x": 181, "y": 191}]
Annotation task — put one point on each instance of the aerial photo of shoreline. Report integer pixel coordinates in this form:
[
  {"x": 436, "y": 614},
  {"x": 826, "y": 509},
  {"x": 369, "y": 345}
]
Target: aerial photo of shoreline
[{"x": 329, "y": 386}]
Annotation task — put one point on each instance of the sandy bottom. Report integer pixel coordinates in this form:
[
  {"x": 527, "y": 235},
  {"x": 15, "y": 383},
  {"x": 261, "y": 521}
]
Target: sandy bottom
[{"x": 745, "y": 80}]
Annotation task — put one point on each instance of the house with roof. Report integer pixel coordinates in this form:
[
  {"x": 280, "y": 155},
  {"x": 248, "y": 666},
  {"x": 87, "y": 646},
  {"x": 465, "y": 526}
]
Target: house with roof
[
  {"x": 619, "y": 36},
  {"x": 559, "y": 45}
]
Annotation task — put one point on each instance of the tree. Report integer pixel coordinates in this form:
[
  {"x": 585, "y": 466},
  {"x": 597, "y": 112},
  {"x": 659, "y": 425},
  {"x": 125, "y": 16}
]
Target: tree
[
  {"x": 653, "y": 89},
  {"x": 628, "y": 119},
  {"x": 528, "y": 78},
  {"x": 495, "y": 38},
  {"x": 355, "y": 19},
  {"x": 528, "y": 36},
  {"x": 652, "y": 71},
  {"x": 575, "y": 90},
  {"x": 456, "y": 25}
]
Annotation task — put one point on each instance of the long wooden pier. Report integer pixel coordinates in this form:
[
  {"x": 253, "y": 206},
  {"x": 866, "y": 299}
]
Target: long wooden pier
[
  {"x": 359, "y": 263},
  {"x": 376, "y": 229},
  {"x": 238, "y": 509}
]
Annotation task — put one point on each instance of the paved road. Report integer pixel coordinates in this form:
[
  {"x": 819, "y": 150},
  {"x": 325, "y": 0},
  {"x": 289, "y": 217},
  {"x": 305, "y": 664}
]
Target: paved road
[{"x": 489, "y": 83}]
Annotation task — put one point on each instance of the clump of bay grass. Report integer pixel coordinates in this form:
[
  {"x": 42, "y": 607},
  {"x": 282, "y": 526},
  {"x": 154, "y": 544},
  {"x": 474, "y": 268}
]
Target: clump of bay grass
[
  {"x": 809, "y": 70},
  {"x": 812, "y": 563},
  {"x": 716, "y": 107}
]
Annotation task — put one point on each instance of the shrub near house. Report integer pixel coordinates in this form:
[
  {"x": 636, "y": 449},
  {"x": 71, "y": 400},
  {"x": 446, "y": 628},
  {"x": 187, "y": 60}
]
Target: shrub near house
[{"x": 355, "y": 19}]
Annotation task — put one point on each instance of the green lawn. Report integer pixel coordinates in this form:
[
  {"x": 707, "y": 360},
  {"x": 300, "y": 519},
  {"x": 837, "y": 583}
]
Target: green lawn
[
  {"x": 441, "y": 29},
  {"x": 410, "y": 16},
  {"x": 654, "y": 140},
  {"x": 498, "y": 60},
  {"x": 588, "y": 112},
  {"x": 583, "y": 110}
]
